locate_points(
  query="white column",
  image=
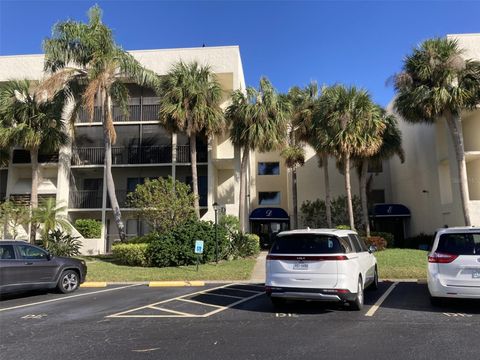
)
(104, 206)
(237, 163)
(174, 156)
(210, 175)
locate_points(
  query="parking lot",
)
(234, 321)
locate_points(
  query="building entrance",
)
(267, 223)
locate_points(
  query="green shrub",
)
(342, 227)
(313, 213)
(389, 238)
(176, 247)
(421, 241)
(131, 254)
(243, 245)
(89, 228)
(59, 243)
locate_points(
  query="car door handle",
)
(29, 263)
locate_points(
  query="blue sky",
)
(359, 42)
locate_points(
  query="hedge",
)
(131, 254)
(89, 228)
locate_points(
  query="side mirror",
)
(49, 256)
(372, 249)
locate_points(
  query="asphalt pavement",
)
(234, 321)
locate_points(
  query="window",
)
(269, 198)
(6, 252)
(358, 243)
(459, 244)
(31, 253)
(268, 168)
(308, 244)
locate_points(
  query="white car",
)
(454, 264)
(322, 265)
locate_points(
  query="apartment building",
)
(144, 149)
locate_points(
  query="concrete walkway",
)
(258, 273)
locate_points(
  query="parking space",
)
(234, 321)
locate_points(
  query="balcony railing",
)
(183, 154)
(159, 154)
(23, 157)
(85, 199)
(145, 112)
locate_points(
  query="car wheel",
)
(374, 284)
(436, 301)
(277, 302)
(68, 282)
(357, 304)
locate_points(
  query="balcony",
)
(183, 154)
(21, 156)
(85, 199)
(121, 198)
(146, 110)
(123, 155)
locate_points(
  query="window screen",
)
(268, 168)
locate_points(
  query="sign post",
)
(198, 250)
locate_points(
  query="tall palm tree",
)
(87, 54)
(348, 127)
(190, 98)
(435, 83)
(257, 120)
(29, 120)
(391, 145)
(302, 105)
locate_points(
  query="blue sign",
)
(198, 246)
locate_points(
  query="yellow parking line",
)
(93, 284)
(379, 302)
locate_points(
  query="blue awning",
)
(390, 210)
(269, 214)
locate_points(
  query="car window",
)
(362, 243)
(31, 253)
(7, 252)
(347, 244)
(308, 244)
(355, 243)
(459, 244)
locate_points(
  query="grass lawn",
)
(104, 270)
(402, 264)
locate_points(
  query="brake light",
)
(440, 258)
(306, 258)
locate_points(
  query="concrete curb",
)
(175, 283)
(93, 284)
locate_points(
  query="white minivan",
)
(454, 264)
(322, 265)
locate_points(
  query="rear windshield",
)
(459, 244)
(308, 244)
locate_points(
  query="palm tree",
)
(302, 103)
(436, 82)
(29, 120)
(391, 145)
(190, 98)
(87, 54)
(346, 125)
(50, 216)
(258, 120)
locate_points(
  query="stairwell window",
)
(268, 168)
(269, 198)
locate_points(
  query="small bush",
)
(131, 254)
(244, 245)
(377, 241)
(89, 228)
(387, 236)
(61, 244)
(342, 227)
(421, 241)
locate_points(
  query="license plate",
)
(300, 266)
(476, 274)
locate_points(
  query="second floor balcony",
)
(124, 155)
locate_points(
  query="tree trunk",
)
(363, 195)
(241, 202)
(328, 205)
(294, 197)
(34, 194)
(455, 124)
(193, 162)
(348, 189)
(107, 140)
